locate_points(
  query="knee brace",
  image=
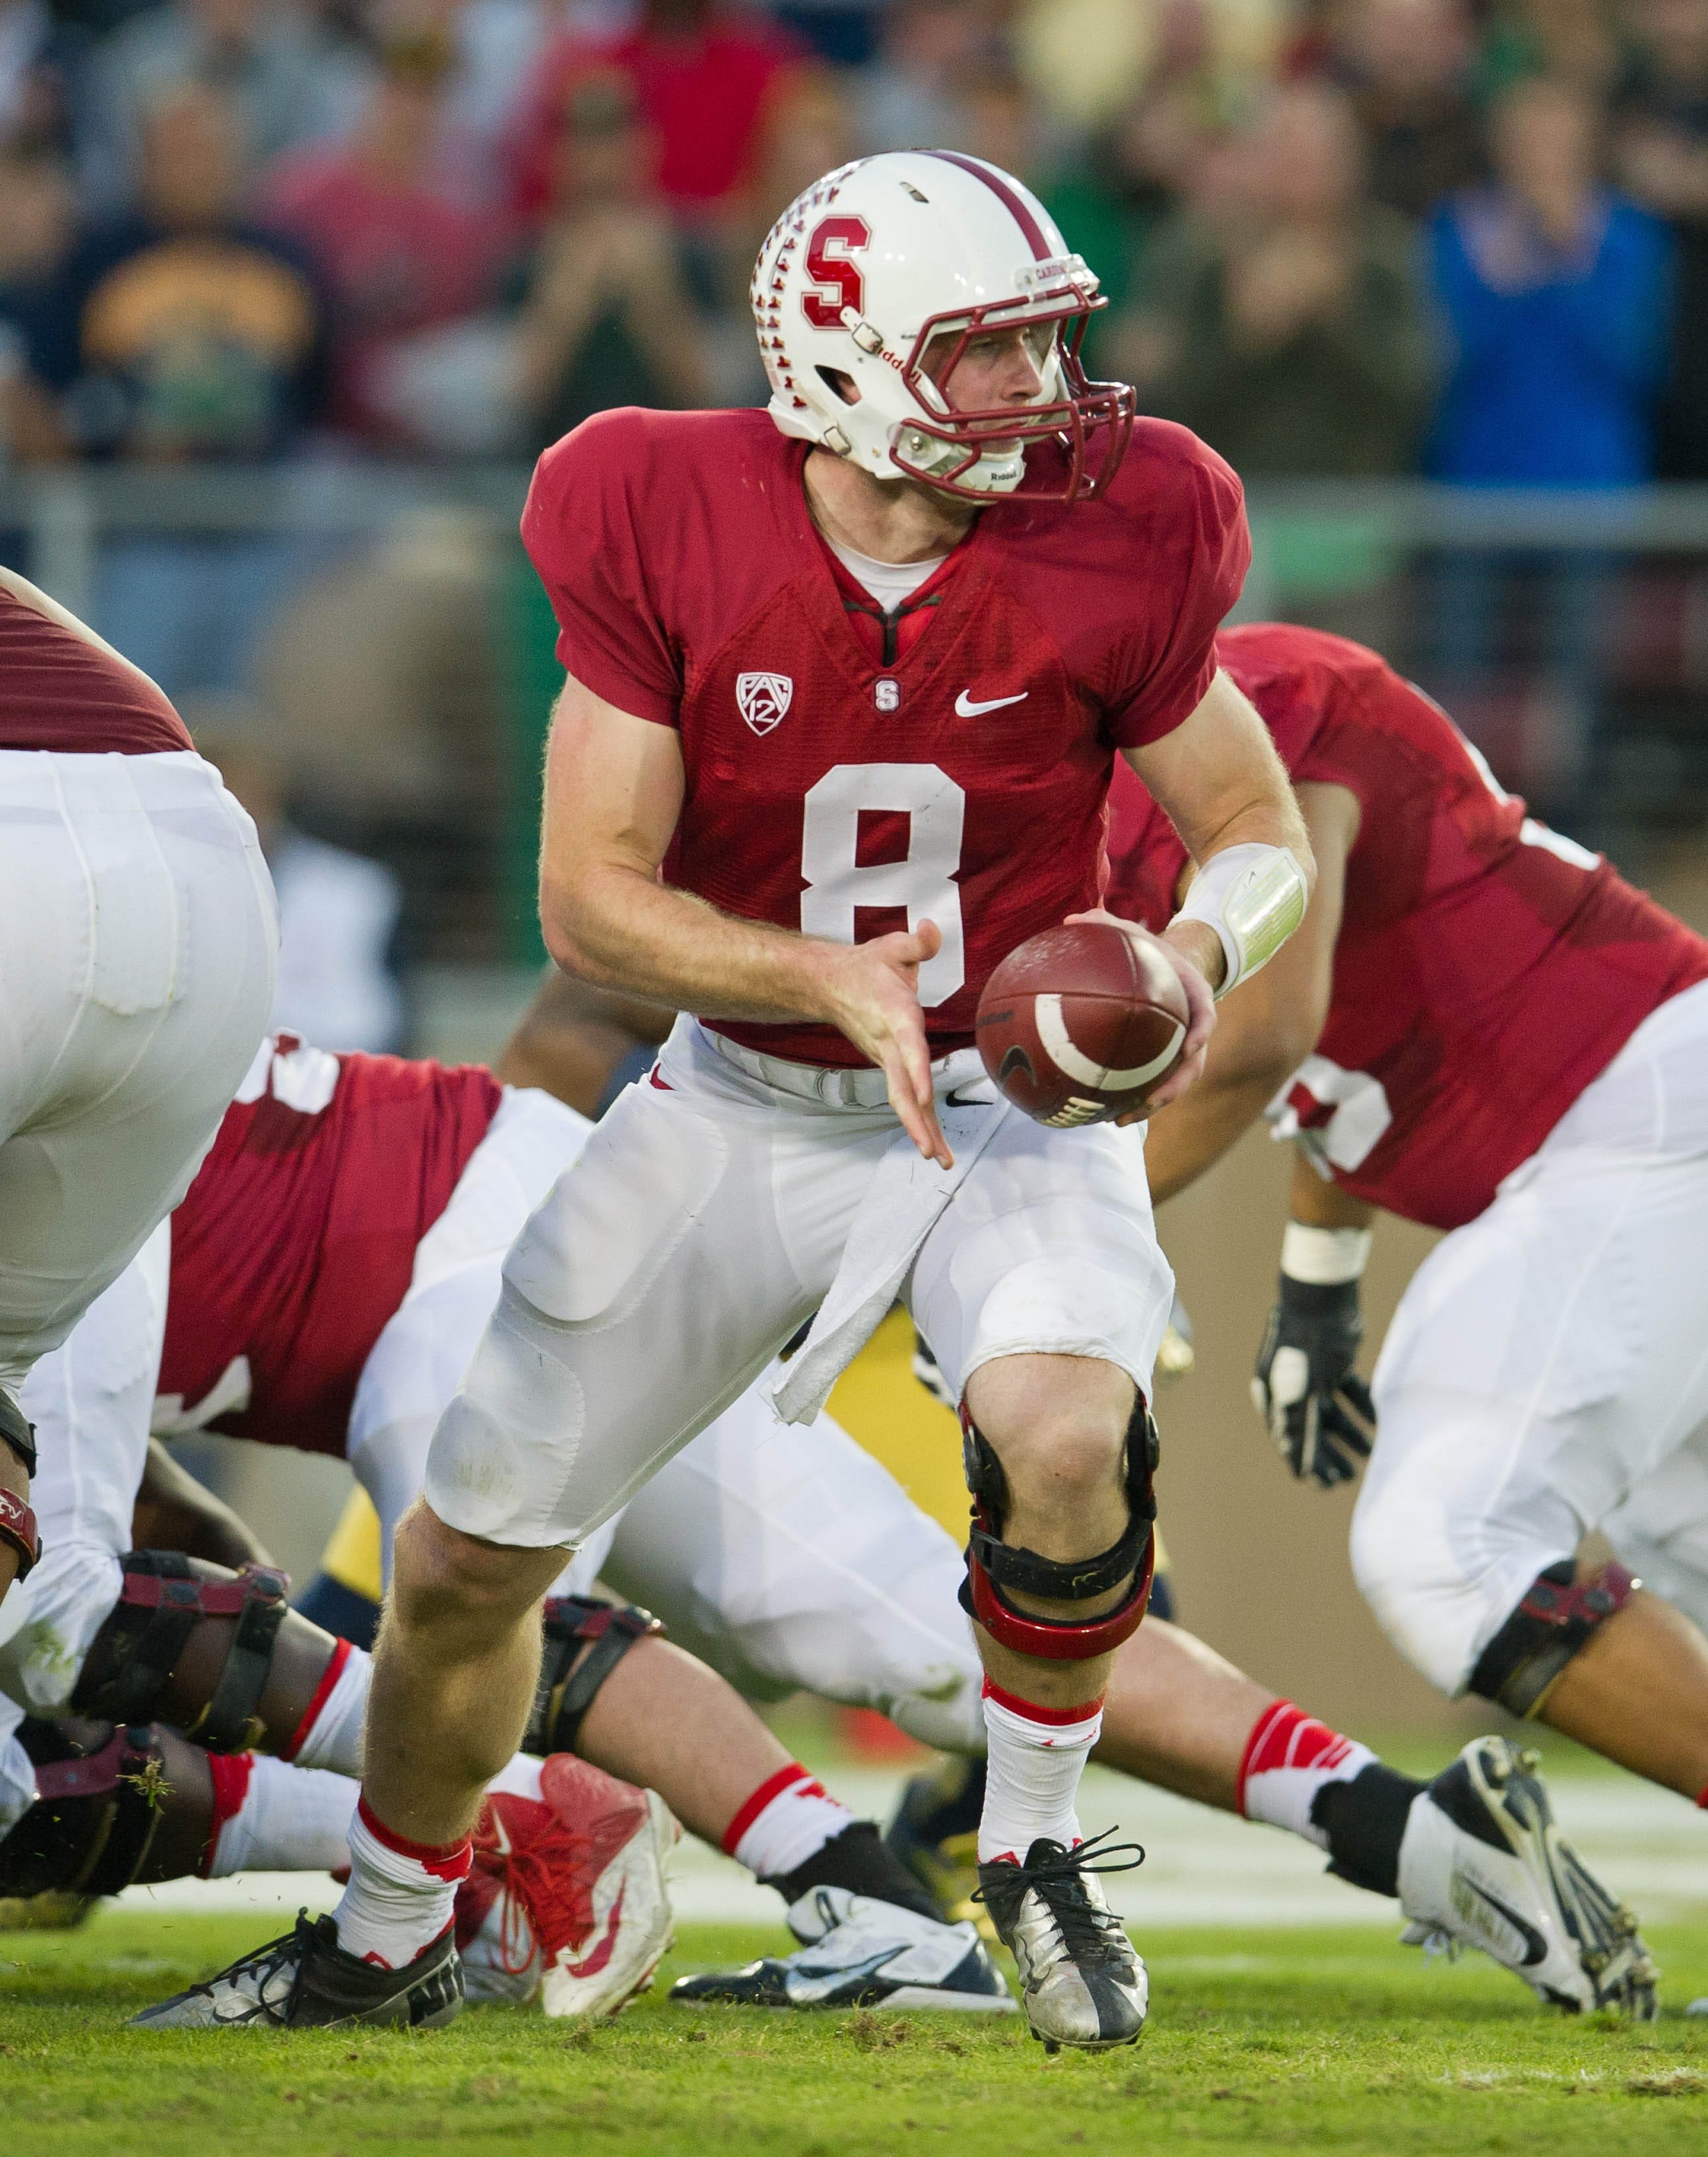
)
(1556, 1618)
(98, 1799)
(165, 1597)
(568, 1687)
(996, 1569)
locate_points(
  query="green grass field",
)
(1268, 2040)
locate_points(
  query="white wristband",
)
(1253, 896)
(1325, 1257)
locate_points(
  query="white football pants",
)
(1547, 1373)
(704, 1222)
(136, 977)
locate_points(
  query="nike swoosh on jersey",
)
(966, 708)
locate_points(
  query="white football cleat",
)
(1484, 1865)
(1081, 1981)
(858, 1951)
(566, 1896)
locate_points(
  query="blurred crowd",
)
(1462, 238)
(1346, 237)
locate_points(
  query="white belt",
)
(835, 1087)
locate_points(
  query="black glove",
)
(1318, 1409)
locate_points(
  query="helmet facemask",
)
(979, 454)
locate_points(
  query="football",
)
(1082, 1023)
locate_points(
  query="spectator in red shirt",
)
(703, 80)
(398, 252)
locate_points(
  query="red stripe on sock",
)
(1283, 1736)
(1056, 1717)
(445, 1861)
(1703, 1801)
(773, 1786)
(322, 1693)
(229, 1773)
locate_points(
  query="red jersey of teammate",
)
(1486, 970)
(297, 1241)
(57, 691)
(963, 781)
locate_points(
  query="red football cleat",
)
(566, 1896)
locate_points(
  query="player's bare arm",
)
(614, 790)
(1270, 1023)
(1316, 1203)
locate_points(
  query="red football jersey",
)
(1487, 969)
(963, 783)
(297, 1241)
(57, 691)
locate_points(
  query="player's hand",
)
(872, 994)
(1200, 1004)
(1318, 1409)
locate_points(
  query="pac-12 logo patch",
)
(763, 699)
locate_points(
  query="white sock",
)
(330, 1734)
(1288, 1756)
(401, 1894)
(789, 1818)
(1036, 1756)
(271, 1817)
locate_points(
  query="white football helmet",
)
(878, 259)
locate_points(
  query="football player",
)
(135, 979)
(856, 669)
(1482, 1028)
(788, 1560)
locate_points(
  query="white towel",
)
(906, 1196)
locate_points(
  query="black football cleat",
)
(1081, 1981)
(306, 1981)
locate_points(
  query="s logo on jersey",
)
(764, 699)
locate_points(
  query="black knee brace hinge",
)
(566, 1688)
(996, 1569)
(95, 1814)
(165, 1597)
(1556, 1616)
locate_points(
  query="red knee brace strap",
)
(1056, 1639)
(18, 1527)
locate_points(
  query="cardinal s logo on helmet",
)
(764, 699)
(916, 252)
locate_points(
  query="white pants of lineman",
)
(704, 1222)
(136, 976)
(1547, 1373)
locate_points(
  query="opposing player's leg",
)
(1043, 1294)
(127, 1040)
